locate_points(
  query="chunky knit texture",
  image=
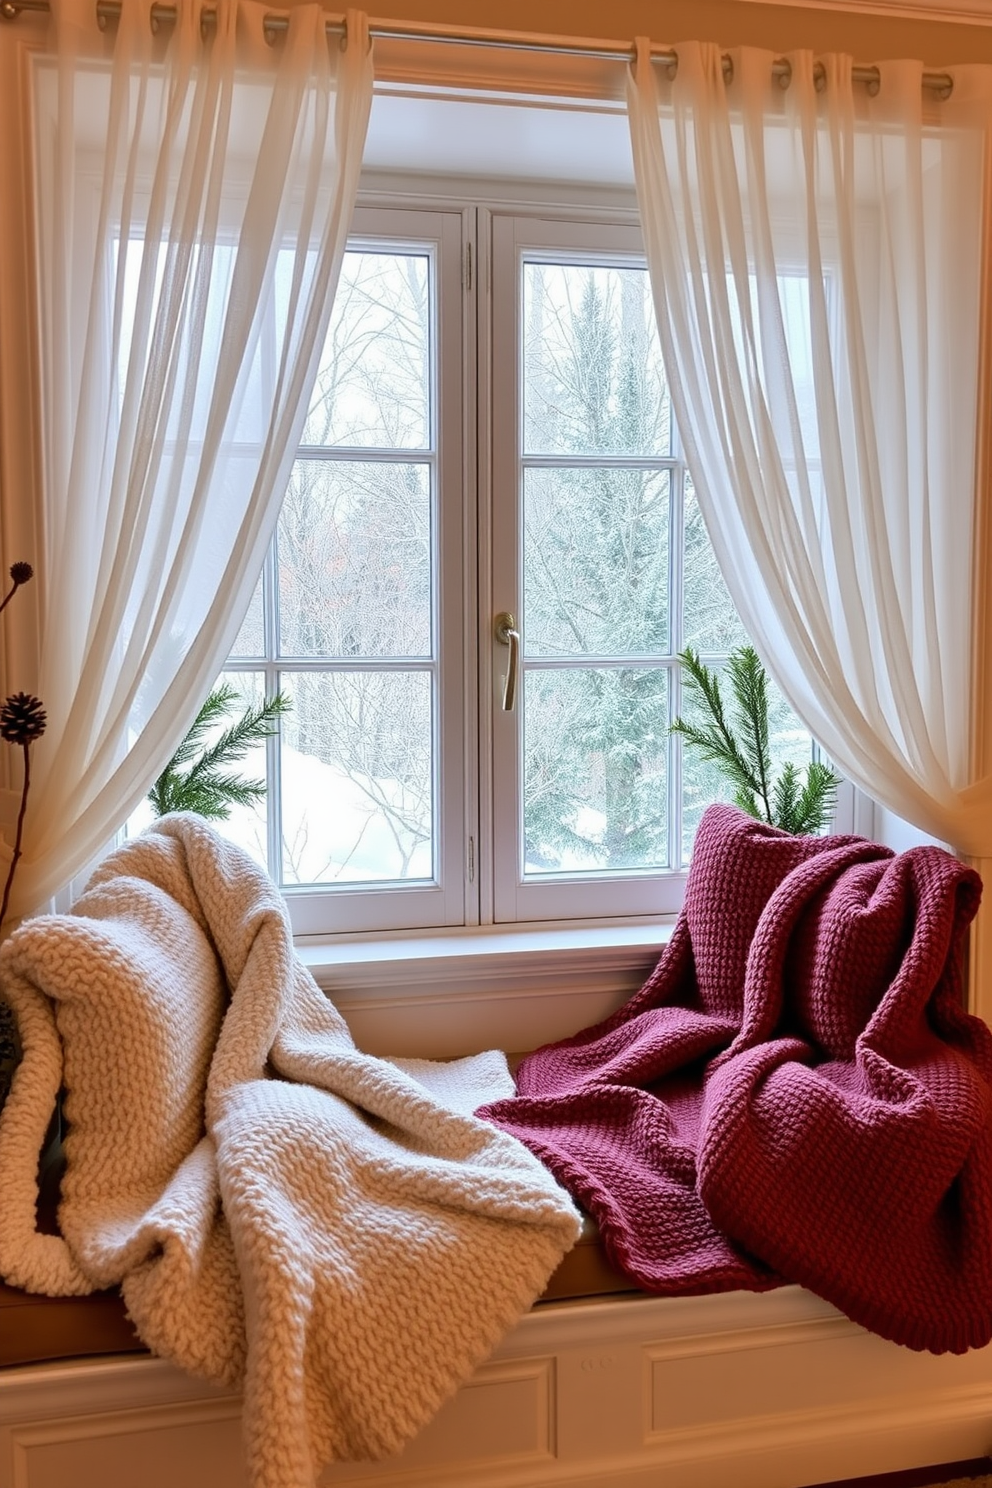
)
(795, 1093)
(336, 1232)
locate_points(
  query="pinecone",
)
(22, 719)
(21, 572)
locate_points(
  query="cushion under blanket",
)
(338, 1232)
(795, 1093)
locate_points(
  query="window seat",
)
(599, 1383)
(743, 1389)
(731, 1390)
(34, 1329)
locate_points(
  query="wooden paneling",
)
(734, 1391)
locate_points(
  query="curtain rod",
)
(106, 10)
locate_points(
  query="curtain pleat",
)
(816, 260)
(194, 193)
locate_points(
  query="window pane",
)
(251, 636)
(709, 621)
(357, 778)
(355, 560)
(596, 761)
(702, 784)
(373, 386)
(596, 561)
(594, 382)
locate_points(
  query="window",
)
(484, 443)
(600, 546)
(360, 612)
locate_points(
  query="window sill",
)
(442, 994)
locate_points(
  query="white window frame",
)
(477, 250)
(362, 907)
(518, 238)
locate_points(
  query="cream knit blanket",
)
(337, 1233)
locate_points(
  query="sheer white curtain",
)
(194, 193)
(816, 261)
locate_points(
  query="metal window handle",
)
(508, 635)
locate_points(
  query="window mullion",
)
(273, 683)
(676, 637)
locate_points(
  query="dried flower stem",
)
(22, 720)
(8, 597)
(20, 573)
(20, 830)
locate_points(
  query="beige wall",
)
(869, 38)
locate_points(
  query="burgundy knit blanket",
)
(795, 1094)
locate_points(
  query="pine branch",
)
(216, 705)
(750, 684)
(235, 742)
(205, 787)
(743, 752)
(714, 747)
(212, 798)
(816, 804)
(786, 797)
(747, 801)
(715, 740)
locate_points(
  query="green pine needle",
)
(714, 740)
(741, 750)
(207, 786)
(786, 797)
(750, 685)
(816, 804)
(217, 705)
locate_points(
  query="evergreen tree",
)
(596, 582)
